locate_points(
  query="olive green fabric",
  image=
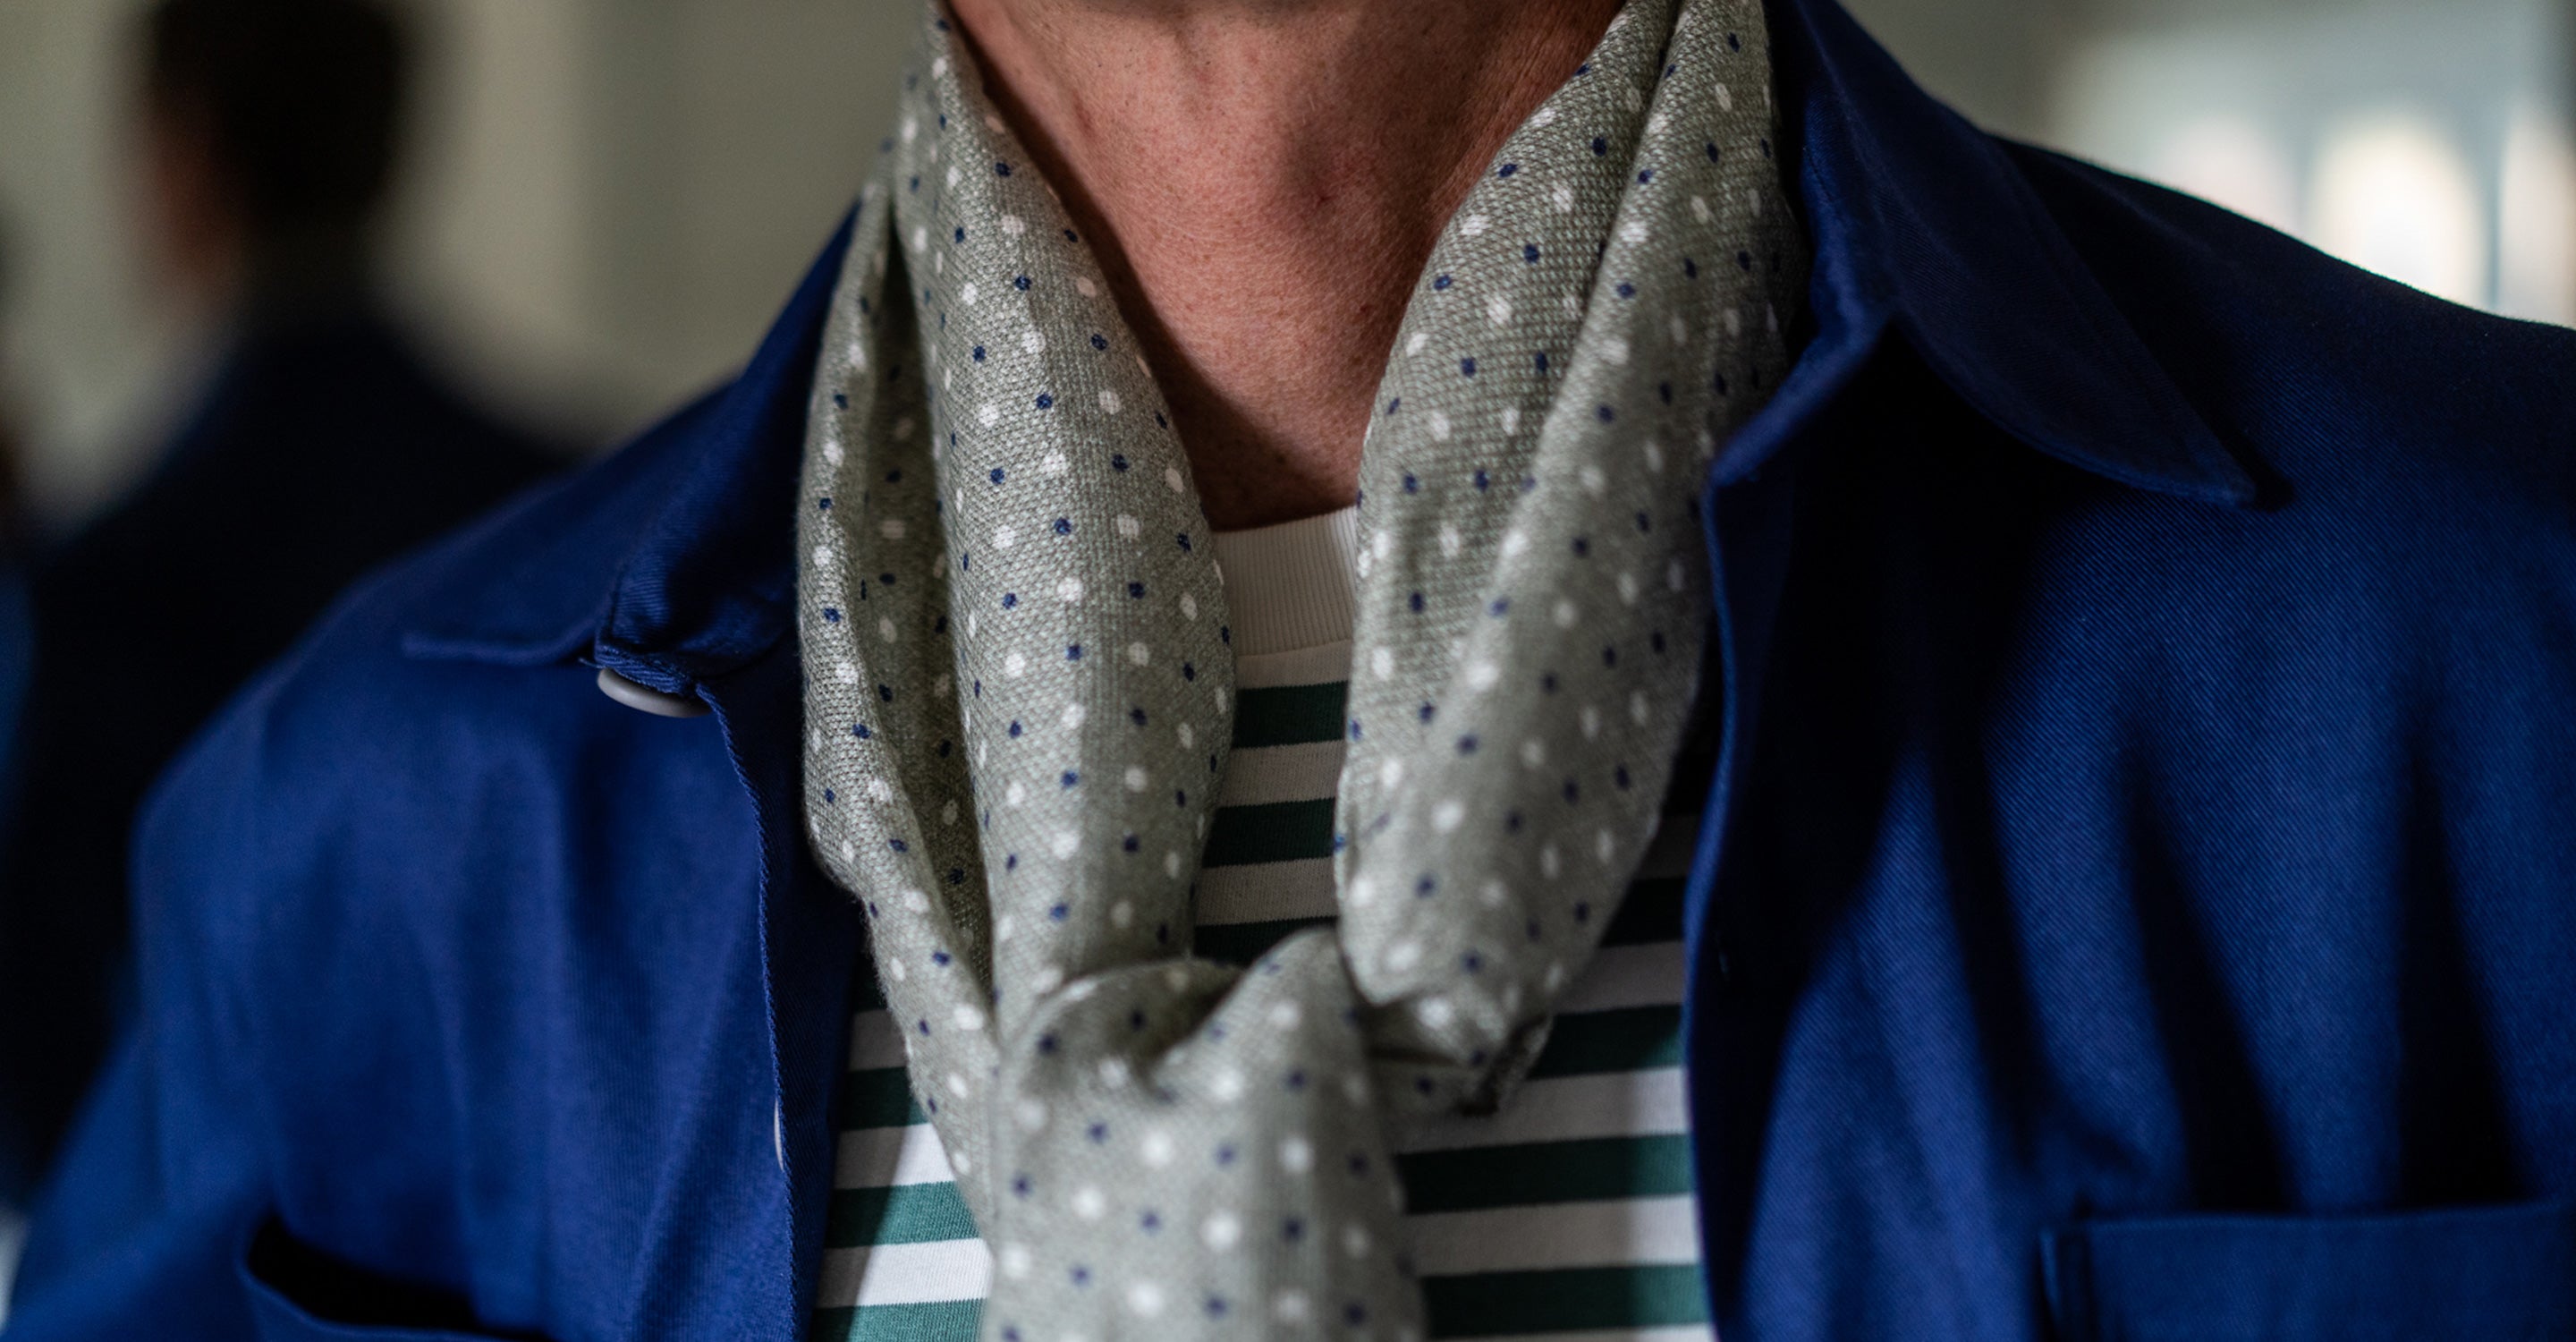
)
(1020, 684)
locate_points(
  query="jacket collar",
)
(673, 562)
(1921, 223)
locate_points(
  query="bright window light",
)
(2393, 194)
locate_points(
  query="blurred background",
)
(607, 198)
(603, 201)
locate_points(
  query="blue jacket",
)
(2135, 901)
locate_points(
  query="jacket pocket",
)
(2496, 1274)
(300, 1294)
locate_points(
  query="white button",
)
(648, 700)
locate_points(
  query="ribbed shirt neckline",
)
(1290, 586)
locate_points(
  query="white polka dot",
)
(916, 901)
(1190, 611)
(1122, 914)
(1014, 1261)
(1172, 865)
(968, 1017)
(1591, 723)
(1533, 752)
(1614, 350)
(1066, 844)
(1145, 1298)
(1499, 309)
(1189, 738)
(1514, 543)
(832, 451)
(1136, 779)
(1128, 526)
(1073, 715)
(1362, 892)
(1638, 711)
(1012, 225)
(1054, 464)
(1355, 1240)
(1414, 343)
(1390, 773)
(891, 528)
(1109, 401)
(1382, 663)
(1114, 1072)
(1439, 426)
(1069, 591)
(1082, 285)
(1511, 419)
(1403, 955)
(1047, 979)
(957, 1086)
(1296, 1155)
(1448, 815)
(1089, 1204)
(1014, 664)
(967, 294)
(1550, 865)
(1435, 1012)
(1222, 1231)
(1566, 613)
(1473, 226)
(1285, 1015)
(1226, 1086)
(988, 414)
(1156, 1149)
(1140, 654)
(880, 791)
(847, 673)
(1483, 676)
(1290, 1307)
(1031, 1114)
(1173, 478)
(885, 629)
(1005, 537)
(1014, 794)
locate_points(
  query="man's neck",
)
(1263, 180)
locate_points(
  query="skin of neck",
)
(1262, 181)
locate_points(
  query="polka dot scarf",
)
(1019, 682)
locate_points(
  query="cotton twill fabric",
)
(1019, 681)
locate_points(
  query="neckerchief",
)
(1019, 683)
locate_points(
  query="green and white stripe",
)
(1567, 1218)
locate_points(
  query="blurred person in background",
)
(17, 659)
(323, 446)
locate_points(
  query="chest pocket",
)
(2489, 1273)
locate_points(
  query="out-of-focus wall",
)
(2429, 140)
(609, 199)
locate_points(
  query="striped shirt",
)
(1567, 1216)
